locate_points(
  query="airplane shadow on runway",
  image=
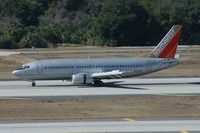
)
(115, 84)
(121, 85)
(118, 84)
(52, 86)
(158, 84)
(195, 83)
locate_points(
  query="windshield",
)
(23, 67)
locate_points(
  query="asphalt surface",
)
(104, 126)
(120, 87)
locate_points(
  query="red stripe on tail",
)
(168, 45)
(170, 50)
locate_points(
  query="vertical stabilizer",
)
(168, 45)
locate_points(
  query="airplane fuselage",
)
(62, 69)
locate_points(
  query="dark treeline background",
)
(46, 23)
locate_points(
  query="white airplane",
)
(92, 71)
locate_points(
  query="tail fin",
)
(168, 45)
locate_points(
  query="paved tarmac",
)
(120, 87)
(103, 126)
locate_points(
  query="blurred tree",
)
(72, 5)
(12, 35)
(24, 23)
(170, 12)
(28, 11)
(121, 23)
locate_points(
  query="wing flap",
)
(110, 75)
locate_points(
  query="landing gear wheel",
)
(98, 82)
(33, 84)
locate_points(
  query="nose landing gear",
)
(33, 84)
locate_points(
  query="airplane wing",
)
(108, 75)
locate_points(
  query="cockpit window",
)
(27, 66)
(23, 67)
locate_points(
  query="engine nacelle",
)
(82, 78)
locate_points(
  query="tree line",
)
(47, 23)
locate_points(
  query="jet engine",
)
(82, 78)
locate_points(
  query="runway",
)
(104, 126)
(119, 87)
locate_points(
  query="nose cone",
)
(15, 73)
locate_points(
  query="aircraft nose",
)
(15, 72)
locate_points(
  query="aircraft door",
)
(39, 67)
(149, 66)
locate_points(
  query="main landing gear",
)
(33, 84)
(98, 82)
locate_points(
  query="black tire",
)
(33, 84)
(98, 82)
